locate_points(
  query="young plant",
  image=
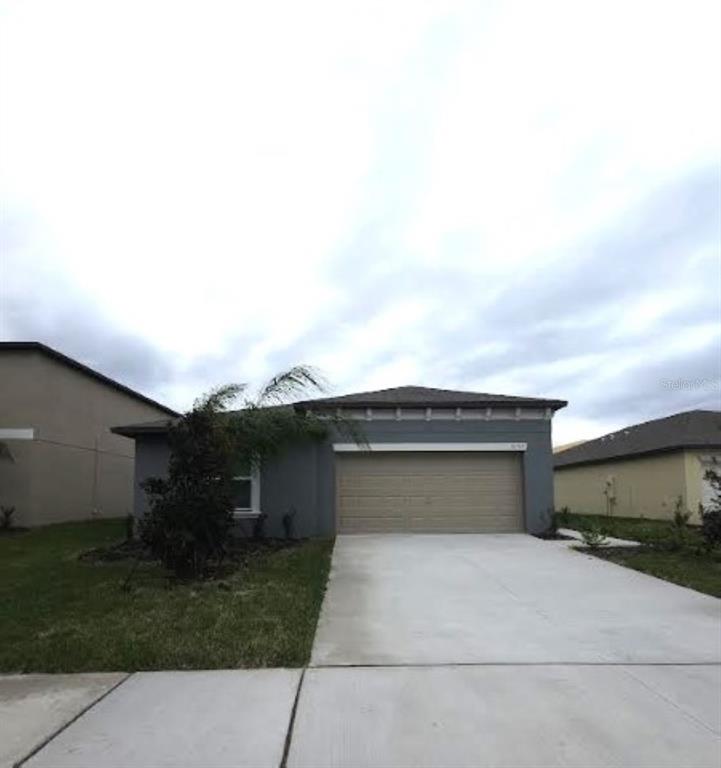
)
(6, 518)
(129, 527)
(552, 523)
(289, 523)
(679, 528)
(563, 517)
(594, 537)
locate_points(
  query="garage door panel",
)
(454, 492)
(462, 525)
(373, 525)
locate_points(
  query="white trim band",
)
(17, 434)
(427, 447)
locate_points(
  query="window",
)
(245, 487)
(241, 489)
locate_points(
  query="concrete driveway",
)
(478, 650)
(502, 599)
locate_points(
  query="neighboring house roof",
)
(36, 346)
(409, 396)
(690, 429)
(566, 446)
(424, 397)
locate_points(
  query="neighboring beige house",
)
(58, 458)
(642, 470)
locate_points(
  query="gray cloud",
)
(77, 328)
(562, 313)
(573, 309)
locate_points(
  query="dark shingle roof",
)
(410, 397)
(691, 429)
(36, 346)
(419, 397)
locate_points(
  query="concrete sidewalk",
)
(221, 718)
(33, 708)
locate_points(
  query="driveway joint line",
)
(291, 721)
(670, 701)
(59, 730)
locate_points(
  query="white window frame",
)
(254, 509)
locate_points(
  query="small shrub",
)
(594, 537)
(679, 527)
(259, 526)
(289, 523)
(711, 514)
(6, 518)
(129, 527)
(563, 517)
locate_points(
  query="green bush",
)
(711, 514)
(191, 510)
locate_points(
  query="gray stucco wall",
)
(151, 460)
(304, 476)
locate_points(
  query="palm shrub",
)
(190, 511)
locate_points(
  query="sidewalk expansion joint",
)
(59, 730)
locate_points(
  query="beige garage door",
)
(427, 492)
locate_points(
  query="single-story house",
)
(433, 460)
(58, 458)
(641, 471)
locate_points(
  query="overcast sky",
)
(520, 198)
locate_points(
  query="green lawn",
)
(691, 566)
(58, 614)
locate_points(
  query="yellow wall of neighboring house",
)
(647, 486)
(697, 462)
